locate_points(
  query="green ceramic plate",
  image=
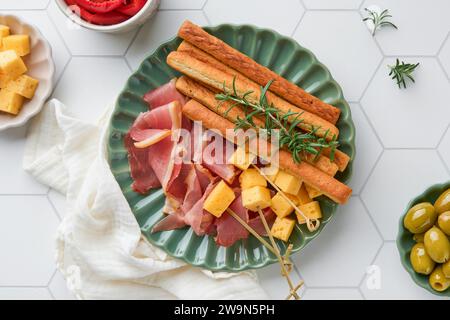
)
(279, 53)
(405, 240)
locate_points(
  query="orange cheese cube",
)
(313, 192)
(4, 31)
(281, 206)
(242, 159)
(256, 197)
(282, 228)
(303, 196)
(23, 85)
(20, 43)
(219, 199)
(250, 178)
(288, 183)
(310, 210)
(11, 65)
(10, 102)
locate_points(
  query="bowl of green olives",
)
(424, 239)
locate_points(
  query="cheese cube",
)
(271, 172)
(282, 228)
(281, 206)
(242, 159)
(288, 183)
(219, 199)
(10, 102)
(313, 192)
(4, 31)
(303, 196)
(311, 210)
(20, 43)
(256, 197)
(11, 65)
(251, 178)
(23, 85)
(4, 80)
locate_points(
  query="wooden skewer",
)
(251, 230)
(293, 290)
(312, 226)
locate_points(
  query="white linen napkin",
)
(100, 250)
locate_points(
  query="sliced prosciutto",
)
(229, 230)
(144, 178)
(163, 95)
(218, 163)
(257, 224)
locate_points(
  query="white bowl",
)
(138, 19)
(40, 66)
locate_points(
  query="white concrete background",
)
(403, 136)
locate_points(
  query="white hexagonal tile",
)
(387, 279)
(332, 4)
(368, 149)
(340, 255)
(444, 56)
(27, 235)
(82, 41)
(59, 202)
(161, 28)
(421, 27)
(399, 176)
(24, 4)
(59, 51)
(90, 84)
(185, 4)
(332, 294)
(274, 284)
(281, 16)
(14, 180)
(444, 148)
(58, 288)
(415, 117)
(25, 294)
(347, 49)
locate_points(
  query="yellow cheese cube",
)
(311, 210)
(313, 192)
(271, 172)
(242, 159)
(20, 43)
(11, 65)
(281, 206)
(282, 228)
(250, 178)
(10, 102)
(303, 196)
(288, 183)
(219, 199)
(4, 30)
(23, 85)
(256, 197)
(4, 80)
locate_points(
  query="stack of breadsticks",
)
(211, 66)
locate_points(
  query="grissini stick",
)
(220, 80)
(258, 73)
(332, 188)
(206, 97)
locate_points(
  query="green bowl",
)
(405, 240)
(281, 54)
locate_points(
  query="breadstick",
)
(220, 80)
(332, 188)
(256, 72)
(206, 97)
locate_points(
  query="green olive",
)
(420, 260)
(420, 218)
(442, 204)
(438, 281)
(418, 237)
(444, 222)
(437, 245)
(446, 269)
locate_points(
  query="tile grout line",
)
(55, 211)
(133, 39)
(204, 5)
(366, 209)
(298, 23)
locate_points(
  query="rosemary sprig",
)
(402, 71)
(379, 20)
(294, 140)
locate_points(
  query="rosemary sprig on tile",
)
(402, 71)
(294, 140)
(379, 19)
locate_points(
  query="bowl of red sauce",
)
(109, 15)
